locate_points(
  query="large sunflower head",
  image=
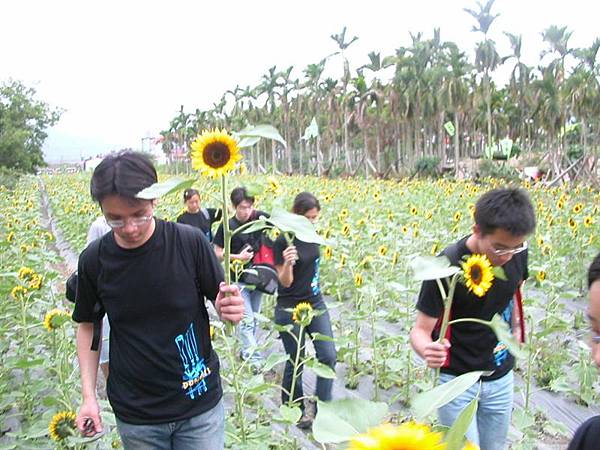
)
(62, 425)
(214, 153)
(407, 436)
(478, 274)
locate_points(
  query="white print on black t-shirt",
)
(314, 284)
(194, 369)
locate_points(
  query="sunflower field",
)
(374, 229)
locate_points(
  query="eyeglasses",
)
(136, 221)
(509, 251)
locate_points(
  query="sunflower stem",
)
(227, 242)
(446, 317)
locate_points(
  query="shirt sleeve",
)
(219, 240)
(87, 292)
(209, 270)
(278, 247)
(96, 231)
(430, 300)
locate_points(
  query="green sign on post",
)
(449, 127)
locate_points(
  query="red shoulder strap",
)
(519, 298)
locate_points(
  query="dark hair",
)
(507, 209)
(239, 194)
(125, 174)
(189, 193)
(304, 202)
(594, 271)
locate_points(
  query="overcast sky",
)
(121, 69)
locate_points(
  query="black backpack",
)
(71, 289)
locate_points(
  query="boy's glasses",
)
(510, 251)
(136, 221)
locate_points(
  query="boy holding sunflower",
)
(504, 218)
(150, 279)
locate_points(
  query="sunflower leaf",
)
(163, 188)
(432, 268)
(257, 225)
(499, 273)
(248, 141)
(455, 437)
(299, 225)
(259, 131)
(505, 336)
(290, 414)
(339, 420)
(427, 402)
(321, 369)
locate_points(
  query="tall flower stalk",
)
(215, 154)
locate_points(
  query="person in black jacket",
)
(587, 436)
(196, 216)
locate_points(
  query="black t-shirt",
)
(240, 240)
(587, 436)
(203, 219)
(305, 286)
(475, 346)
(162, 365)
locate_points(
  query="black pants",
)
(325, 351)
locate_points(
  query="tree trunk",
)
(319, 157)
(456, 142)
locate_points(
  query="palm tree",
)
(486, 56)
(343, 45)
(519, 83)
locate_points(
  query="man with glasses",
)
(587, 436)
(150, 277)
(504, 218)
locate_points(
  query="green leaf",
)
(455, 437)
(522, 419)
(339, 420)
(257, 225)
(274, 359)
(290, 414)
(321, 369)
(426, 403)
(163, 188)
(395, 364)
(283, 328)
(25, 363)
(299, 225)
(322, 337)
(432, 268)
(259, 131)
(499, 273)
(503, 333)
(248, 141)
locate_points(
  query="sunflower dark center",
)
(476, 274)
(216, 155)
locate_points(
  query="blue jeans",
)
(325, 352)
(204, 431)
(490, 426)
(249, 324)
